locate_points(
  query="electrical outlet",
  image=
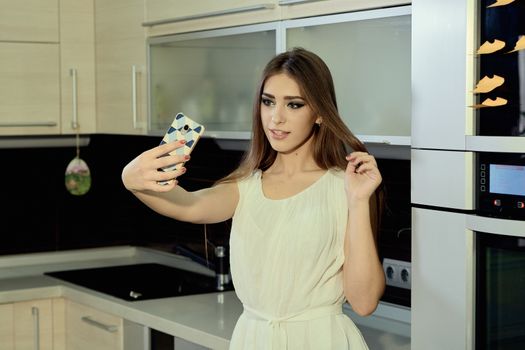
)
(397, 273)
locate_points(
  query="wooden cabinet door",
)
(33, 323)
(121, 67)
(77, 66)
(29, 20)
(29, 89)
(88, 329)
(7, 328)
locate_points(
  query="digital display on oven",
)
(507, 179)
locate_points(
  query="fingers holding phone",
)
(185, 131)
(158, 168)
(143, 172)
(171, 162)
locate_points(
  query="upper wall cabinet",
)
(169, 17)
(46, 67)
(368, 53)
(77, 66)
(29, 20)
(193, 73)
(29, 88)
(121, 67)
(308, 8)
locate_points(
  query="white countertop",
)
(204, 319)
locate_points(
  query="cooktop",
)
(139, 281)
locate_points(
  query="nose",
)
(277, 116)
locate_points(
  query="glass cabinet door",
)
(211, 76)
(368, 54)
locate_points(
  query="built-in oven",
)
(500, 292)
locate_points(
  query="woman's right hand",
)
(143, 173)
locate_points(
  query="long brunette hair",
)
(332, 140)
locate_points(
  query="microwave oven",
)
(500, 185)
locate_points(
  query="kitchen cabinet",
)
(121, 75)
(39, 94)
(33, 321)
(193, 73)
(29, 88)
(308, 8)
(441, 116)
(371, 70)
(35, 324)
(88, 329)
(442, 313)
(77, 66)
(29, 21)
(7, 328)
(164, 17)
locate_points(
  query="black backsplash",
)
(38, 214)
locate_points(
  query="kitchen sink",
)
(140, 281)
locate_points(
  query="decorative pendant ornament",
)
(78, 176)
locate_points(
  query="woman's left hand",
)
(362, 176)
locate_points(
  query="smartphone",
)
(182, 128)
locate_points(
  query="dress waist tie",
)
(278, 335)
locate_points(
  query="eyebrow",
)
(285, 97)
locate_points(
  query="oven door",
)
(500, 292)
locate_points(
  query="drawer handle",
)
(18, 125)
(210, 14)
(106, 327)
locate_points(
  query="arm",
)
(364, 279)
(209, 205)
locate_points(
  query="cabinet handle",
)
(36, 327)
(210, 14)
(294, 2)
(134, 72)
(18, 125)
(107, 327)
(73, 74)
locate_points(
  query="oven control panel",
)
(501, 185)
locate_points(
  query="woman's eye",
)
(295, 105)
(266, 101)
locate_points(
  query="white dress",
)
(286, 259)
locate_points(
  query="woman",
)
(304, 213)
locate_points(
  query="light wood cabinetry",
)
(89, 329)
(36, 324)
(7, 329)
(33, 323)
(29, 20)
(308, 8)
(29, 88)
(77, 66)
(121, 67)
(42, 43)
(163, 17)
